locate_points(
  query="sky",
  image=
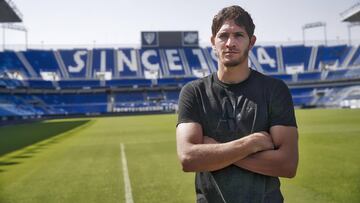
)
(75, 22)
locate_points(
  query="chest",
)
(228, 115)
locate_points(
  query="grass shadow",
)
(8, 163)
(19, 136)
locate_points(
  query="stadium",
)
(98, 124)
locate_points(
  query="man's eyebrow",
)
(222, 32)
(229, 33)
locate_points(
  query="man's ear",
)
(252, 41)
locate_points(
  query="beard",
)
(235, 62)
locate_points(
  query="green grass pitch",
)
(79, 160)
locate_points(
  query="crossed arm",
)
(274, 154)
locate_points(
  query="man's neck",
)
(233, 75)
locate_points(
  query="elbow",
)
(290, 165)
(187, 169)
(186, 163)
(290, 171)
(187, 158)
(290, 174)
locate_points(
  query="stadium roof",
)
(9, 12)
(352, 14)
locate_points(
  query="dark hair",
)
(239, 15)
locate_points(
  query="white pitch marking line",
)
(128, 194)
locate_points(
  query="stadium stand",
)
(11, 66)
(79, 81)
(297, 57)
(330, 56)
(355, 60)
(267, 59)
(40, 83)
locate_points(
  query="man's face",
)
(232, 44)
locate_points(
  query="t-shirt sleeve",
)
(188, 110)
(281, 106)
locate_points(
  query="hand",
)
(209, 140)
(262, 141)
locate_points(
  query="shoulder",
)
(197, 84)
(268, 81)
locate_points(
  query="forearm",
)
(201, 153)
(211, 157)
(271, 163)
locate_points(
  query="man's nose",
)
(230, 42)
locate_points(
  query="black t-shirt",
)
(230, 111)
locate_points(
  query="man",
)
(236, 127)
